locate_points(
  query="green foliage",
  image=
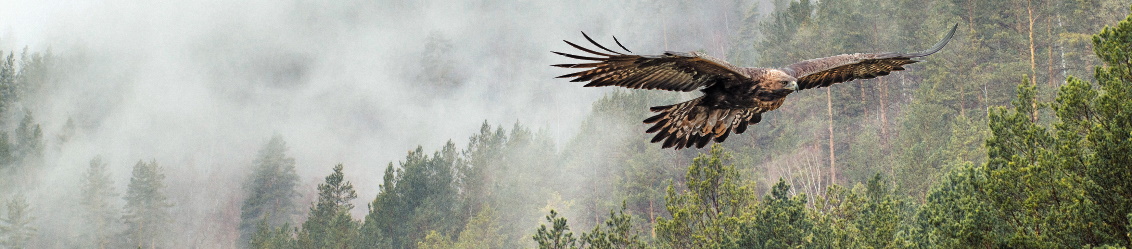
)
(28, 140)
(99, 213)
(271, 189)
(558, 236)
(415, 199)
(268, 237)
(329, 224)
(617, 233)
(779, 222)
(956, 214)
(16, 231)
(434, 241)
(870, 215)
(481, 232)
(146, 215)
(5, 152)
(1112, 130)
(710, 213)
(8, 87)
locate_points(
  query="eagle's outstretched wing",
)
(690, 124)
(673, 71)
(826, 71)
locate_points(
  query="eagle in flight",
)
(733, 97)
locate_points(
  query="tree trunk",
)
(1033, 61)
(883, 110)
(832, 158)
(1049, 38)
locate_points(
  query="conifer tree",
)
(7, 82)
(267, 237)
(100, 214)
(415, 199)
(329, 224)
(617, 232)
(710, 213)
(271, 189)
(28, 139)
(481, 232)
(1113, 130)
(16, 231)
(957, 214)
(147, 208)
(5, 151)
(558, 236)
(779, 222)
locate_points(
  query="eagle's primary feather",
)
(734, 97)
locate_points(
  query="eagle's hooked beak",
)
(793, 86)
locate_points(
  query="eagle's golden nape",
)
(734, 97)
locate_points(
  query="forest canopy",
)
(1016, 135)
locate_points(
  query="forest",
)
(1018, 134)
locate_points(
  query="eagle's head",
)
(775, 84)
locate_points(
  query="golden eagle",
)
(734, 97)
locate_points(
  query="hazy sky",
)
(200, 86)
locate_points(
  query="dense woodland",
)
(1017, 135)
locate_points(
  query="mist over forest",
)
(439, 124)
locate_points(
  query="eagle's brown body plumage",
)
(734, 97)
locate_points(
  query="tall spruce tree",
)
(329, 224)
(99, 212)
(16, 231)
(147, 208)
(270, 189)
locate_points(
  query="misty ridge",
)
(199, 88)
(439, 124)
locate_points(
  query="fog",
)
(200, 86)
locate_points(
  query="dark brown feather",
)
(826, 71)
(690, 124)
(673, 71)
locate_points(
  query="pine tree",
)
(558, 236)
(271, 189)
(617, 233)
(7, 82)
(99, 213)
(5, 152)
(28, 140)
(147, 208)
(385, 210)
(711, 212)
(1113, 130)
(268, 237)
(329, 224)
(481, 232)
(779, 222)
(419, 197)
(957, 214)
(16, 231)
